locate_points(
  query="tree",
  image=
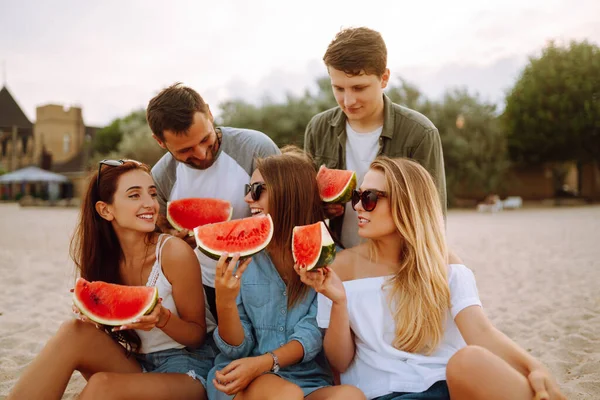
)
(135, 141)
(108, 138)
(475, 151)
(552, 113)
(284, 122)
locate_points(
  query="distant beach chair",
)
(512, 202)
(491, 203)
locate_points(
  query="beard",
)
(196, 163)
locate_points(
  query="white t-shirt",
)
(193, 182)
(361, 150)
(378, 368)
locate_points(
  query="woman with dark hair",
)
(268, 335)
(116, 242)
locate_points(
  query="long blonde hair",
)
(418, 293)
(293, 196)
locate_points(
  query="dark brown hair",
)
(356, 51)
(95, 248)
(173, 109)
(293, 196)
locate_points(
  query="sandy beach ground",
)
(538, 273)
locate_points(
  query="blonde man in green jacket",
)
(367, 123)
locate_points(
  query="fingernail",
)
(136, 321)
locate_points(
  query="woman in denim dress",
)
(268, 335)
(116, 242)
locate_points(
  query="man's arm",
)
(309, 145)
(430, 155)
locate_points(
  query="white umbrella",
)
(32, 174)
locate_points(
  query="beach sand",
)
(537, 269)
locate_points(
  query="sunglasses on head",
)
(368, 198)
(254, 189)
(112, 163)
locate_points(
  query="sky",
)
(110, 57)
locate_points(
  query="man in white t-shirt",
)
(202, 161)
(366, 123)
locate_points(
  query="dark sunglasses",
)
(368, 198)
(255, 189)
(111, 163)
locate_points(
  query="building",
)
(58, 141)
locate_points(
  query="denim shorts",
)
(194, 362)
(437, 391)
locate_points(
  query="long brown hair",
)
(418, 294)
(95, 248)
(293, 196)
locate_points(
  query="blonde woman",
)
(402, 322)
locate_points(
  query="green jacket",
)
(406, 133)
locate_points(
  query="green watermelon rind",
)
(190, 232)
(215, 254)
(328, 251)
(345, 195)
(114, 322)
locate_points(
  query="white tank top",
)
(156, 339)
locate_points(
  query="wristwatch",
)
(275, 367)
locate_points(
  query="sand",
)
(538, 273)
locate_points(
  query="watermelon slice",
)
(246, 236)
(336, 185)
(192, 212)
(312, 246)
(112, 304)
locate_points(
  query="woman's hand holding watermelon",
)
(148, 322)
(228, 283)
(324, 281)
(82, 317)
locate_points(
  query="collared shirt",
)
(406, 133)
(268, 324)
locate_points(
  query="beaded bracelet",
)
(166, 322)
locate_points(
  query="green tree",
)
(135, 141)
(475, 151)
(552, 113)
(285, 122)
(108, 138)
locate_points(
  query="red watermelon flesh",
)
(192, 212)
(112, 304)
(246, 236)
(336, 185)
(312, 246)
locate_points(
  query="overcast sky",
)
(111, 57)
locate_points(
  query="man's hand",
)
(165, 227)
(333, 210)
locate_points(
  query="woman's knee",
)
(466, 363)
(289, 391)
(74, 329)
(347, 392)
(101, 385)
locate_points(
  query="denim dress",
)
(269, 324)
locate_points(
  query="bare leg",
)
(76, 346)
(270, 387)
(342, 392)
(476, 373)
(159, 386)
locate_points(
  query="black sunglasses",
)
(111, 163)
(368, 198)
(254, 189)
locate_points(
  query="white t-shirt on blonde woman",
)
(378, 368)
